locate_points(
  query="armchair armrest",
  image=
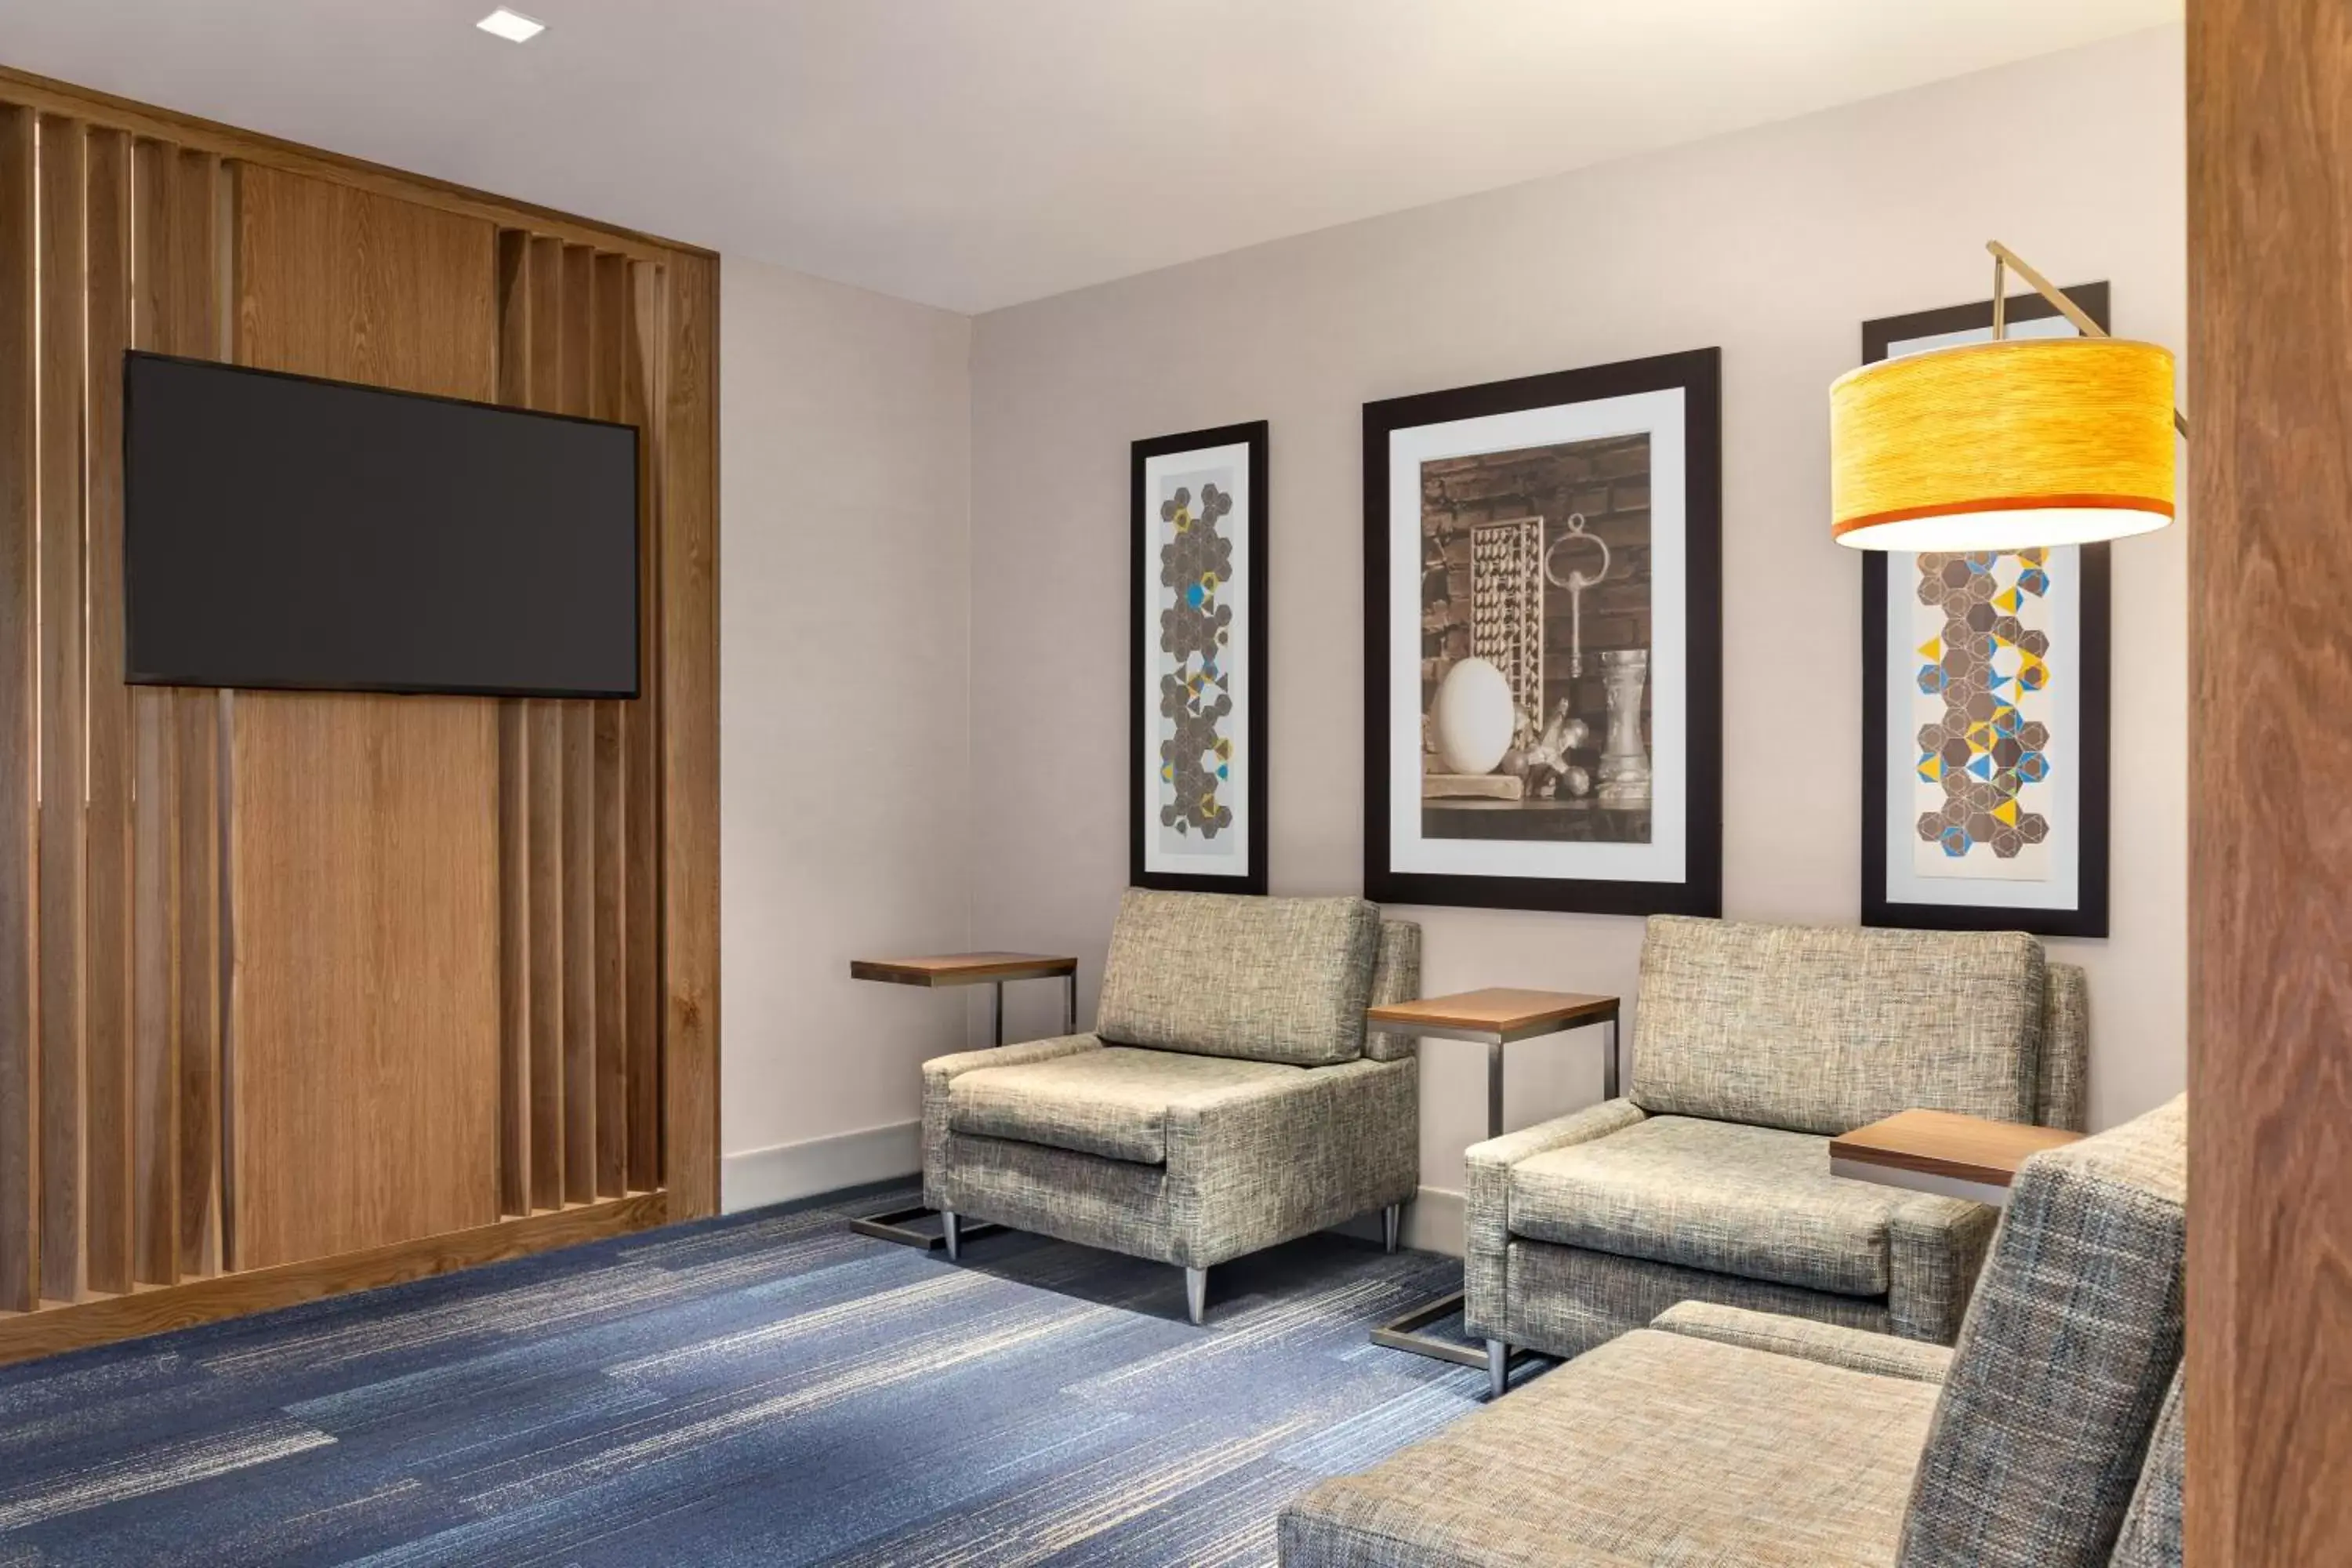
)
(940, 1072)
(1487, 1197)
(1251, 1164)
(1936, 1245)
(1828, 1343)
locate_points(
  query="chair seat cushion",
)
(1112, 1103)
(1652, 1449)
(1754, 1202)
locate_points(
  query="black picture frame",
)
(1697, 373)
(2089, 917)
(1143, 638)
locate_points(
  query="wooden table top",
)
(962, 968)
(1941, 1143)
(1502, 1009)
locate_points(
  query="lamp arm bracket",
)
(2005, 261)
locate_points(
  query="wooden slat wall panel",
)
(640, 735)
(20, 1249)
(64, 1124)
(543, 292)
(689, 737)
(514, 797)
(577, 360)
(591, 972)
(154, 829)
(611, 334)
(365, 1009)
(195, 762)
(107, 324)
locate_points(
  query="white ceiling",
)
(975, 153)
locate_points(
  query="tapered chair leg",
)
(1196, 1294)
(1498, 1368)
(1392, 1220)
(949, 1228)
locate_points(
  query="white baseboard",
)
(812, 1165)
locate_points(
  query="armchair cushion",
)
(1831, 1344)
(1825, 1029)
(1113, 1103)
(1753, 1202)
(1654, 1448)
(1275, 980)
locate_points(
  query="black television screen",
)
(285, 532)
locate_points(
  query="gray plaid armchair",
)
(2051, 1437)
(1228, 1098)
(1753, 1046)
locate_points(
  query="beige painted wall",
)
(1775, 244)
(844, 823)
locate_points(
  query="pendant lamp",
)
(2006, 445)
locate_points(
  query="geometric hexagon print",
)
(1984, 712)
(1199, 630)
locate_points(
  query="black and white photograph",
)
(1542, 613)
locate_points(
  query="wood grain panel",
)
(2269, 832)
(542, 388)
(197, 329)
(365, 1004)
(544, 809)
(107, 1319)
(154, 828)
(689, 724)
(640, 736)
(608, 392)
(20, 1250)
(515, 1185)
(106, 324)
(64, 1124)
(579, 829)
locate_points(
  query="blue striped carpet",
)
(766, 1388)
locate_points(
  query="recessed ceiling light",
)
(512, 26)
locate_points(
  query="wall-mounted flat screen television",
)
(284, 531)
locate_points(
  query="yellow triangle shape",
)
(2006, 813)
(2009, 601)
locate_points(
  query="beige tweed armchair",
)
(1229, 1097)
(2051, 1437)
(1753, 1046)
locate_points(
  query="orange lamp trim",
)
(1839, 528)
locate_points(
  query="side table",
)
(1498, 1015)
(1940, 1151)
(993, 969)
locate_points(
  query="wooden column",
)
(2270, 839)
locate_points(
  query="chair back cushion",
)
(2063, 1360)
(2151, 1536)
(1396, 977)
(1275, 980)
(1824, 1029)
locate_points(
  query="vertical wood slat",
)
(641, 820)
(107, 914)
(20, 1249)
(195, 331)
(2269, 1399)
(64, 1263)
(689, 737)
(515, 1186)
(543, 290)
(609, 335)
(154, 831)
(580, 1089)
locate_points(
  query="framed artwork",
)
(1985, 703)
(1197, 692)
(1543, 699)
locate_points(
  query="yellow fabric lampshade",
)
(2003, 446)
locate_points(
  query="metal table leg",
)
(1609, 1089)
